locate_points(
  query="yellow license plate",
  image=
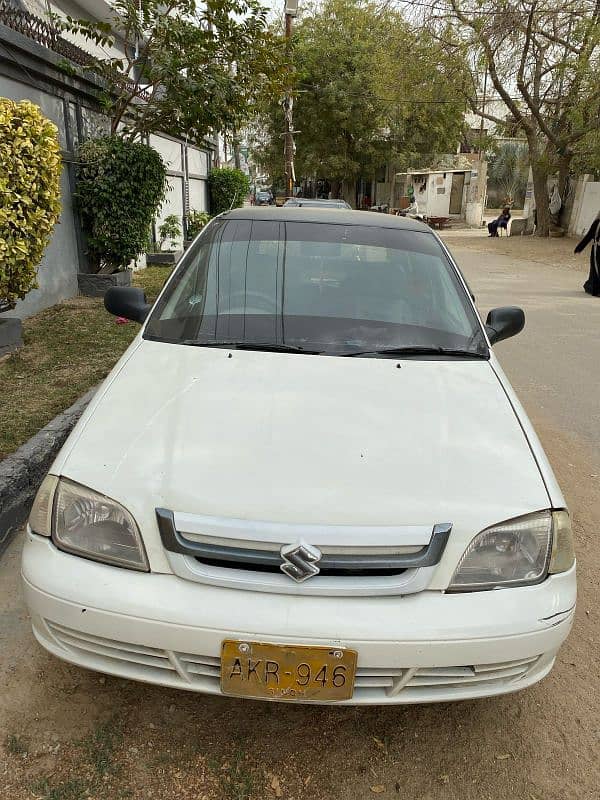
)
(287, 672)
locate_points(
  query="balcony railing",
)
(43, 32)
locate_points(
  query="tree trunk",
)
(235, 144)
(539, 171)
(564, 170)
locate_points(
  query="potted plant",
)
(30, 181)
(120, 187)
(194, 222)
(168, 231)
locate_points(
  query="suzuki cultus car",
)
(307, 479)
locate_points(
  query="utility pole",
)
(291, 10)
(483, 112)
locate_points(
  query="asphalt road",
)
(69, 734)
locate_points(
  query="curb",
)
(23, 471)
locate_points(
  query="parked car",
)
(307, 202)
(307, 479)
(264, 199)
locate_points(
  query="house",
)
(453, 188)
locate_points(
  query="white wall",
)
(475, 194)
(198, 195)
(438, 194)
(590, 206)
(169, 150)
(173, 204)
(197, 162)
(197, 166)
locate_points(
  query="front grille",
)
(261, 557)
(202, 672)
(380, 567)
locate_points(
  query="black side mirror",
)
(127, 301)
(502, 323)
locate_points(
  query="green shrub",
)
(195, 221)
(228, 189)
(170, 229)
(120, 187)
(29, 195)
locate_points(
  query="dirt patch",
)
(550, 252)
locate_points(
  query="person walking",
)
(592, 285)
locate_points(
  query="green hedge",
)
(120, 187)
(30, 167)
(228, 189)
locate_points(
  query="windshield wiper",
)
(267, 347)
(416, 351)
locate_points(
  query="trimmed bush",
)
(228, 189)
(120, 187)
(29, 195)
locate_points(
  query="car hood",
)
(306, 439)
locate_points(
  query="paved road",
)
(68, 734)
(554, 364)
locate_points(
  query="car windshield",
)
(330, 288)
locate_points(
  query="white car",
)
(306, 480)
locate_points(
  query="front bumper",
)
(419, 648)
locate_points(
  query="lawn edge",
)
(22, 472)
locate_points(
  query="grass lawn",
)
(68, 349)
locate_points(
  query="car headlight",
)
(86, 523)
(518, 552)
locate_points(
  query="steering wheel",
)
(263, 302)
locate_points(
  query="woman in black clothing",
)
(592, 285)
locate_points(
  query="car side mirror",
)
(127, 301)
(502, 323)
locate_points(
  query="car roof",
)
(327, 215)
(316, 201)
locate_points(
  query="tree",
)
(587, 155)
(188, 68)
(367, 88)
(228, 189)
(543, 60)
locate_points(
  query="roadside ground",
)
(68, 349)
(552, 252)
(70, 734)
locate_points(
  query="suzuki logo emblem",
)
(299, 561)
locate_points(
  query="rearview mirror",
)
(128, 302)
(502, 323)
